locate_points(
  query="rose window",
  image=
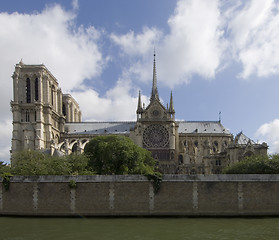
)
(155, 136)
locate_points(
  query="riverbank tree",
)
(30, 162)
(114, 154)
(257, 164)
(103, 155)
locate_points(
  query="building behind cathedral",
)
(45, 119)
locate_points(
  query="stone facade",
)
(40, 109)
(46, 119)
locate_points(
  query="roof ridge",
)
(101, 122)
(198, 121)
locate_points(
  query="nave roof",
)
(122, 127)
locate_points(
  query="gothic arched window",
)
(28, 91)
(75, 148)
(180, 159)
(52, 95)
(27, 116)
(64, 109)
(36, 89)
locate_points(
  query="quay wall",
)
(133, 195)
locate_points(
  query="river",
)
(138, 228)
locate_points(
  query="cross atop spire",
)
(154, 93)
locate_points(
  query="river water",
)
(138, 228)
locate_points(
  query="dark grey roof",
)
(243, 139)
(202, 127)
(98, 128)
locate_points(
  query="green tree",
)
(257, 164)
(57, 166)
(29, 162)
(79, 164)
(114, 154)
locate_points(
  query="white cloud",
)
(118, 104)
(254, 32)
(50, 37)
(194, 44)
(5, 139)
(269, 133)
(75, 4)
(204, 37)
(139, 44)
(139, 47)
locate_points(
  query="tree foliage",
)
(29, 162)
(4, 168)
(78, 164)
(257, 164)
(114, 154)
(103, 155)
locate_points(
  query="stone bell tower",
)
(36, 108)
(39, 108)
(156, 129)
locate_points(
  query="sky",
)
(215, 56)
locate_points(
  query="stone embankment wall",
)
(133, 195)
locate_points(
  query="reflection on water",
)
(138, 228)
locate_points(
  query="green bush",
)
(6, 180)
(156, 179)
(29, 163)
(257, 164)
(4, 168)
(73, 184)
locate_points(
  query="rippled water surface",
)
(138, 228)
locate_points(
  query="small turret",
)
(171, 108)
(139, 109)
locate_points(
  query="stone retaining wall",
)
(133, 195)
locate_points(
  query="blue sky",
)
(214, 55)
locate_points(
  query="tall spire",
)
(154, 93)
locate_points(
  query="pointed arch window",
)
(27, 116)
(64, 109)
(52, 95)
(36, 89)
(180, 159)
(75, 148)
(28, 90)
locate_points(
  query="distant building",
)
(46, 119)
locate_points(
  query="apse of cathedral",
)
(47, 120)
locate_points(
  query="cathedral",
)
(47, 120)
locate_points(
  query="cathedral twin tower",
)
(40, 109)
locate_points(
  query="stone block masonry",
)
(133, 195)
